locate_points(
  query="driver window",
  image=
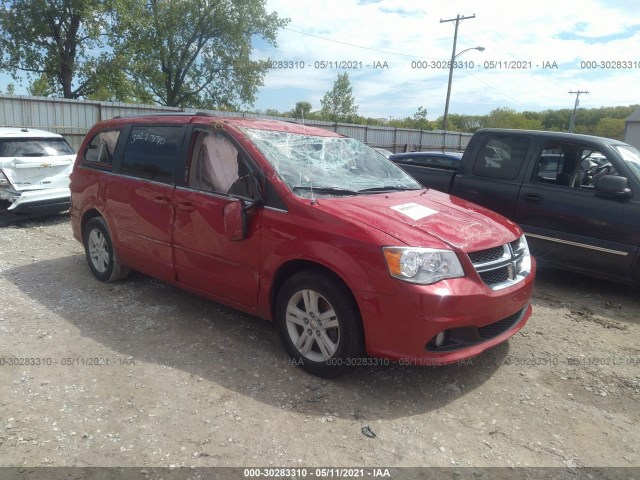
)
(571, 166)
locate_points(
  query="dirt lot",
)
(138, 373)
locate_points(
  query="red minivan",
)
(353, 260)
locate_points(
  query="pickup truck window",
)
(501, 157)
(631, 157)
(571, 165)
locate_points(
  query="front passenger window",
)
(218, 166)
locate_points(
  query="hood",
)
(427, 218)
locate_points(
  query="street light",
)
(453, 58)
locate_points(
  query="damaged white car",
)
(34, 171)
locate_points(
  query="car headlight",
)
(422, 265)
(521, 250)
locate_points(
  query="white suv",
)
(34, 171)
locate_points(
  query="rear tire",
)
(101, 256)
(319, 323)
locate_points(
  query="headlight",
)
(422, 265)
(521, 249)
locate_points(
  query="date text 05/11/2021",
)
(500, 64)
(16, 361)
(414, 65)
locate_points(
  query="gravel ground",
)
(139, 373)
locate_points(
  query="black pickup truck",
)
(577, 197)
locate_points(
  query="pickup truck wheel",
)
(318, 323)
(101, 256)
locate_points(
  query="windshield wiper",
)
(328, 190)
(387, 188)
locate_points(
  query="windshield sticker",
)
(414, 211)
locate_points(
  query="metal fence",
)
(73, 118)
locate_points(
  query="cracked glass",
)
(329, 166)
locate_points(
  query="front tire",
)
(319, 323)
(101, 256)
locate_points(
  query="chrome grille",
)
(486, 255)
(494, 277)
(501, 267)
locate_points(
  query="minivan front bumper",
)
(474, 318)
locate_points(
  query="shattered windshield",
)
(333, 166)
(631, 157)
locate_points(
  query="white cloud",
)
(411, 29)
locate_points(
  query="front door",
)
(206, 260)
(566, 222)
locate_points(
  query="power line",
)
(358, 46)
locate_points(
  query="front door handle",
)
(532, 198)
(162, 200)
(186, 206)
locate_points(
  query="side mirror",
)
(612, 186)
(235, 220)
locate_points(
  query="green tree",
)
(195, 53)
(301, 110)
(274, 113)
(610, 128)
(509, 118)
(11, 89)
(43, 86)
(113, 85)
(463, 123)
(420, 120)
(54, 40)
(338, 104)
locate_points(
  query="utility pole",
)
(458, 19)
(572, 124)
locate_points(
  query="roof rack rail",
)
(166, 114)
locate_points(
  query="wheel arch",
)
(88, 215)
(292, 267)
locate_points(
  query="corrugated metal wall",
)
(73, 118)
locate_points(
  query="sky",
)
(533, 57)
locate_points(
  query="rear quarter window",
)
(100, 150)
(501, 157)
(150, 152)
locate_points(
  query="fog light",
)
(439, 340)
